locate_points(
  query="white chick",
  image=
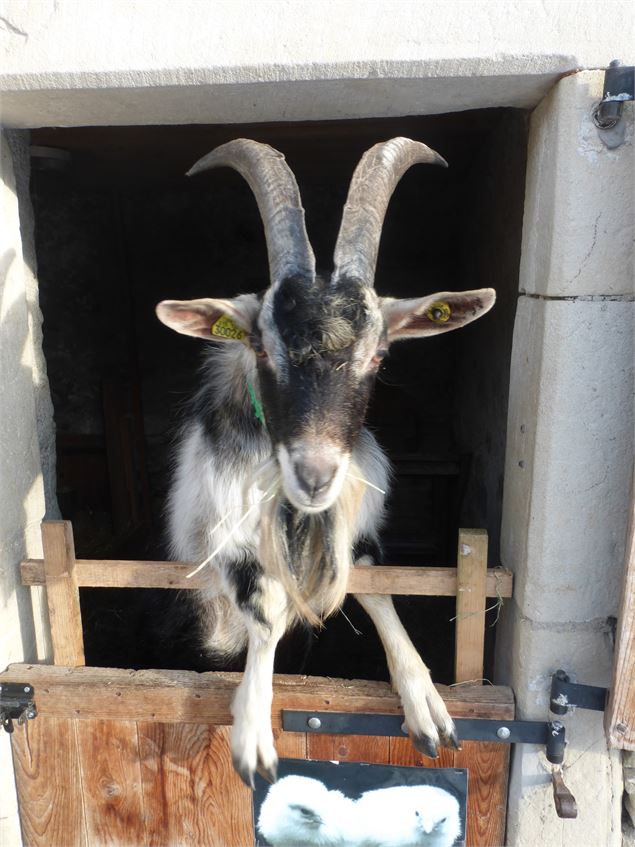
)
(301, 812)
(408, 816)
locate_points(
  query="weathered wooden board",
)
(185, 696)
(110, 775)
(471, 598)
(488, 767)
(364, 579)
(48, 782)
(62, 593)
(191, 792)
(620, 712)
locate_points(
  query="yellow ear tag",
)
(439, 312)
(225, 327)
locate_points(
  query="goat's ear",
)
(221, 320)
(434, 314)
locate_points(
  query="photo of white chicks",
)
(300, 811)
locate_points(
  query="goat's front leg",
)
(264, 609)
(426, 715)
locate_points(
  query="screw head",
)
(27, 688)
(404, 728)
(314, 723)
(503, 732)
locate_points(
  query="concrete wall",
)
(24, 422)
(198, 61)
(569, 452)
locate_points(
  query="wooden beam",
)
(185, 696)
(471, 599)
(366, 579)
(62, 593)
(620, 712)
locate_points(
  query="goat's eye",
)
(379, 356)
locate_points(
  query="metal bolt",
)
(27, 688)
(503, 732)
(314, 723)
(30, 714)
(621, 728)
(465, 549)
(404, 728)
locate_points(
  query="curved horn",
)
(278, 198)
(372, 185)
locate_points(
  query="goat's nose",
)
(314, 474)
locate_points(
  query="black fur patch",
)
(244, 576)
(305, 314)
(367, 547)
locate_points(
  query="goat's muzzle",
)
(312, 476)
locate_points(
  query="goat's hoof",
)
(451, 740)
(245, 773)
(269, 774)
(424, 744)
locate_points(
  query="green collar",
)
(255, 402)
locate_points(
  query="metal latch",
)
(619, 88)
(16, 704)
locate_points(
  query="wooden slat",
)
(48, 782)
(62, 593)
(290, 745)
(365, 579)
(348, 748)
(192, 794)
(402, 752)
(471, 599)
(620, 712)
(185, 696)
(487, 768)
(111, 781)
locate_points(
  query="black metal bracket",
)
(16, 704)
(550, 734)
(565, 694)
(619, 88)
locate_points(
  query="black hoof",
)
(245, 774)
(424, 744)
(270, 775)
(451, 740)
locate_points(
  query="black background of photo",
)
(355, 778)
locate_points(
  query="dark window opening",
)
(118, 228)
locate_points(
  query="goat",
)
(277, 483)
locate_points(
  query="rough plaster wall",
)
(569, 453)
(22, 506)
(293, 59)
(19, 146)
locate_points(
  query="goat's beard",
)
(309, 553)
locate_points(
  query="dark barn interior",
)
(118, 228)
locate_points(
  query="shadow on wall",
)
(19, 466)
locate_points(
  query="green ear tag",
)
(225, 327)
(439, 312)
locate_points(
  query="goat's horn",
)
(278, 198)
(372, 185)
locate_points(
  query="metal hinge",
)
(566, 694)
(16, 704)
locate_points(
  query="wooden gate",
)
(134, 758)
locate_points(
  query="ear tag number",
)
(439, 313)
(225, 327)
